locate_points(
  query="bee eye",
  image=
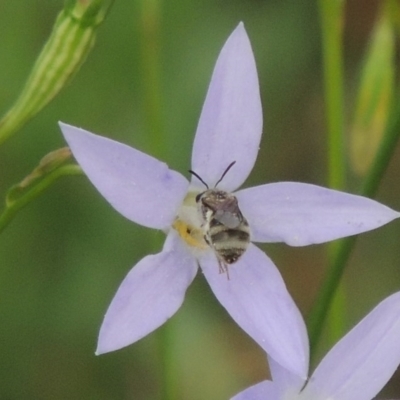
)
(198, 197)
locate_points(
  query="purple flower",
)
(145, 191)
(356, 368)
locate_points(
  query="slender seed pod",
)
(70, 42)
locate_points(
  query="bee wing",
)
(225, 211)
(228, 218)
(228, 213)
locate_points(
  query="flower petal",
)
(230, 124)
(138, 186)
(300, 214)
(256, 298)
(265, 390)
(284, 385)
(284, 379)
(364, 360)
(150, 294)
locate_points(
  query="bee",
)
(225, 229)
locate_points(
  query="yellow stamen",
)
(191, 235)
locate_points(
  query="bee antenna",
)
(199, 178)
(222, 177)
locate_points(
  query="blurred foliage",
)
(51, 167)
(63, 257)
(375, 93)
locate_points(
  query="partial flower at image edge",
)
(357, 367)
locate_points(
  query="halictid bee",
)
(226, 231)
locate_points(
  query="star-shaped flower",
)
(147, 192)
(356, 368)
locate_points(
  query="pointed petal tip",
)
(301, 214)
(67, 129)
(133, 182)
(63, 125)
(108, 341)
(257, 299)
(240, 32)
(240, 27)
(101, 349)
(150, 294)
(230, 123)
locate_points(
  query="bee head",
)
(198, 197)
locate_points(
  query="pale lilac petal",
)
(265, 390)
(150, 294)
(257, 299)
(284, 386)
(138, 186)
(300, 214)
(230, 124)
(284, 378)
(364, 360)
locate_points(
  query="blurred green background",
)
(63, 257)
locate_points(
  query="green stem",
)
(11, 210)
(165, 339)
(322, 304)
(150, 73)
(331, 15)
(370, 185)
(152, 100)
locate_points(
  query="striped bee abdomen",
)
(229, 244)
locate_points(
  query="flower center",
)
(188, 223)
(192, 236)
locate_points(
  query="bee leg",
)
(223, 268)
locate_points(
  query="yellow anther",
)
(191, 235)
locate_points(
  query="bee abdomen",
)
(230, 244)
(230, 236)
